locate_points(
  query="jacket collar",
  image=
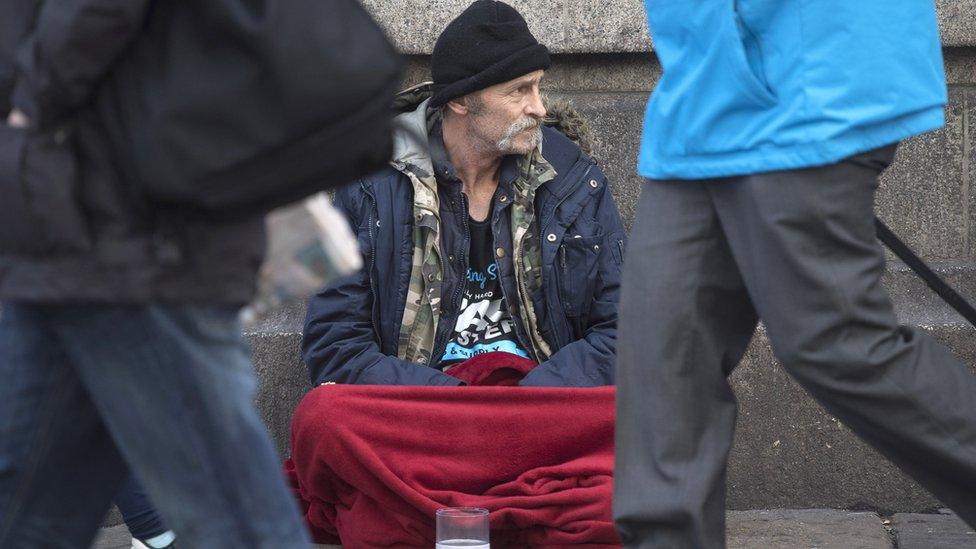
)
(412, 149)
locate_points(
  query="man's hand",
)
(17, 119)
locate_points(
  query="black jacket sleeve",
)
(340, 343)
(73, 45)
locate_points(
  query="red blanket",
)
(371, 464)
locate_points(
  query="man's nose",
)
(536, 108)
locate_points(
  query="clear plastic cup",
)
(465, 527)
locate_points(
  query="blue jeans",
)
(167, 390)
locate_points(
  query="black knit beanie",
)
(489, 43)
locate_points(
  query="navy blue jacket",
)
(352, 326)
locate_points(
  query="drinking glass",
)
(465, 527)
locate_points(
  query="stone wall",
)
(590, 26)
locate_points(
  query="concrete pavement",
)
(790, 529)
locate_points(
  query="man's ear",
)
(459, 105)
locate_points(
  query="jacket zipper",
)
(372, 264)
(564, 273)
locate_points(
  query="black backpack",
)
(240, 106)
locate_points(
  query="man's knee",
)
(322, 411)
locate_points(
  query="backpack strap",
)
(939, 286)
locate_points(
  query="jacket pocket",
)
(745, 56)
(709, 86)
(578, 263)
(39, 194)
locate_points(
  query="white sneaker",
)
(166, 540)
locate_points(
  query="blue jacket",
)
(352, 326)
(752, 86)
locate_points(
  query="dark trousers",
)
(141, 518)
(798, 250)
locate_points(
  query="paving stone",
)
(807, 529)
(117, 537)
(782, 529)
(932, 531)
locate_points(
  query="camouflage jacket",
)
(418, 330)
(562, 243)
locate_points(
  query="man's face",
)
(508, 116)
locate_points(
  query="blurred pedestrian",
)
(144, 142)
(762, 147)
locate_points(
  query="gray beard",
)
(506, 145)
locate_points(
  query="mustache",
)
(521, 125)
(527, 123)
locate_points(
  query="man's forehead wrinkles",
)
(519, 84)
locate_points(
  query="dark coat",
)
(353, 325)
(140, 253)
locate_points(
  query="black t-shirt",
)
(484, 324)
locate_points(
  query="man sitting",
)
(489, 232)
(492, 252)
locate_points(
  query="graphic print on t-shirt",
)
(484, 324)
